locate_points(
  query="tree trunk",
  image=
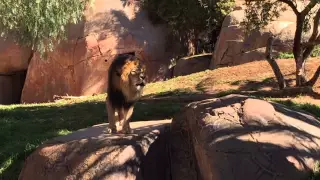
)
(281, 82)
(191, 48)
(298, 51)
(192, 43)
(300, 72)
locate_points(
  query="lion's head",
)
(131, 78)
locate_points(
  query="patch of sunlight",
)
(6, 164)
(63, 132)
(59, 103)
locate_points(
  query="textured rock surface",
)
(92, 154)
(233, 49)
(14, 61)
(13, 57)
(191, 65)
(236, 137)
(77, 66)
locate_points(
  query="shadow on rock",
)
(237, 137)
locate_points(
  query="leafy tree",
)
(189, 20)
(38, 24)
(259, 13)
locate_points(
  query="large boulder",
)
(92, 154)
(77, 66)
(238, 137)
(234, 48)
(193, 64)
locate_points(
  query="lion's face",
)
(137, 79)
(133, 79)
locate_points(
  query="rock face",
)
(191, 65)
(237, 137)
(92, 154)
(13, 57)
(77, 66)
(233, 49)
(14, 62)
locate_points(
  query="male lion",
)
(126, 80)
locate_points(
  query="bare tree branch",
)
(314, 79)
(291, 5)
(315, 31)
(308, 8)
(313, 43)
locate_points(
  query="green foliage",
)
(260, 13)
(316, 51)
(285, 55)
(187, 20)
(38, 24)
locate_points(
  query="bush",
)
(284, 55)
(316, 51)
(38, 24)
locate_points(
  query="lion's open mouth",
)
(141, 84)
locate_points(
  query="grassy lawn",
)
(24, 127)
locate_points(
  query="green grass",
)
(308, 107)
(24, 127)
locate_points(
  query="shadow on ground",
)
(22, 129)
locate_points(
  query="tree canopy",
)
(38, 24)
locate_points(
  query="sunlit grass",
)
(24, 127)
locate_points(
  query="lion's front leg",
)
(112, 128)
(126, 124)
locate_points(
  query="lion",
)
(126, 81)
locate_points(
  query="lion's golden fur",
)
(125, 86)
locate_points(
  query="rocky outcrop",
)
(14, 61)
(92, 154)
(77, 66)
(237, 137)
(13, 58)
(192, 64)
(233, 48)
